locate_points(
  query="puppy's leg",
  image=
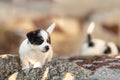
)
(25, 62)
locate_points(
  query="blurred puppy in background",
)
(36, 49)
(97, 47)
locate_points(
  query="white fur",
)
(98, 48)
(51, 28)
(33, 56)
(91, 28)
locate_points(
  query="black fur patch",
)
(34, 38)
(108, 50)
(118, 47)
(90, 43)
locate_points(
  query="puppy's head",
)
(40, 39)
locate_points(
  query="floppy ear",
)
(31, 36)
(51, 28)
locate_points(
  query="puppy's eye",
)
(39, 40)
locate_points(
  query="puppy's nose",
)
(47, 48)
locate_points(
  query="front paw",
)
(37, 65)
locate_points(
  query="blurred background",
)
(17, 17)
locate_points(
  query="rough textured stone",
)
(30, 74)
(104, 73)
(98, 68)
(57, 70)
(8, 65)
(104, 67)
(95, 62)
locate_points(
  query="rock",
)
(104, 67)
(71, 68)
(55, 70)
(104, 73)
(96, 62)
(8, 65)
(58, 70)
(30, 74)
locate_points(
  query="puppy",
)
(97, 47)
(36, 49)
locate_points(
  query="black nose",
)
(47, 48)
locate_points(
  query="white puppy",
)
(98, 47)
(36, 49)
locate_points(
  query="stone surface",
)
(56, 70)
(93, 63)
(8, 65)
(104, 73)
(104, 67)
(30, 74)
(69, 68)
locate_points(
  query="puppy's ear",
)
(31, 36)
(51, 28)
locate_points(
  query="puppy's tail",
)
(89, 32)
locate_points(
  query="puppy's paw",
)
(37, 65)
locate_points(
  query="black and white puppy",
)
(97, 47)
(36, 49)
